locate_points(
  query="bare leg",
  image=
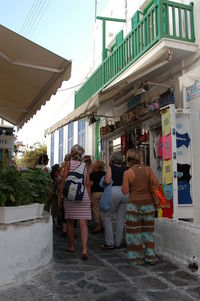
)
(70, 234)
(84, 235)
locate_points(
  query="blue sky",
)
(62, 26)
(65, 26)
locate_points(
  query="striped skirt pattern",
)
(78, 210)
(140, 233)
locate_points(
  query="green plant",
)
(22, 188)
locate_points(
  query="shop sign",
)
(6, 142)
(193, 91)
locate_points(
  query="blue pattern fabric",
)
(140, 233)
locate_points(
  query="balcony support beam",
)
(104, 19)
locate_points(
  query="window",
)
(60, 145)
(81, 133)
(52, 150)
(70, 136)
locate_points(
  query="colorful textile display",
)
(167, 147)
(167, 172)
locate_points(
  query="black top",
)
(117, 175)
(95, 177)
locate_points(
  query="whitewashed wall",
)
(177, 240)
(25, 247)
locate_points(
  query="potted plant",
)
(25, 192)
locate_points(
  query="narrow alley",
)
(106, 276)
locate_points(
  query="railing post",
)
(104, 53)
(160, 19)
(192, 21)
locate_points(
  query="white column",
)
(195, 122)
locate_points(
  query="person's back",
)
(76, 210)
(96, 194)
(117, 174)
(114, 175)
(140, 191)
(95, 177)
(140, 209)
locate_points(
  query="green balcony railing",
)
(164, 19)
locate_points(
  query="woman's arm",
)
(65, 174)
(108, 176)
(125, 183)
(87, 184)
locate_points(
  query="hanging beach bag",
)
(157, 193)
(75, 184)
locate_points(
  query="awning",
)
(86, 109)
(189, 78)
(94, 105)
(162, 57)
(29, 76)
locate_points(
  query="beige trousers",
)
(97, 214)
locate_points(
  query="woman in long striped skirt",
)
(140, 211)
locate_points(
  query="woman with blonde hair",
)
(76, 210)
(96, 194)
(140, 212)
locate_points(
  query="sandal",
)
(84, 257)
(70, 251)
(106, 247)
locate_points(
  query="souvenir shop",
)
(153, 125)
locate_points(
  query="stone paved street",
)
(106, 276)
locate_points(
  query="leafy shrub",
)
(22, 188)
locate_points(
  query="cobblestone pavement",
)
(106, 276)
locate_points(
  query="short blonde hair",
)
(98, 165)
(133, 157)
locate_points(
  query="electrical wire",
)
(31, 20)
(41, 16)
(28, 16)
(59, 90)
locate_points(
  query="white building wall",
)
(90, 140)
(17, 257)
(122, 9)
